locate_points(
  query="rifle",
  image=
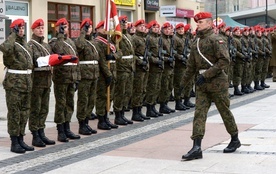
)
(172, 51)
(232, 49)
(160, 52)
(186, 49)
(146, 53)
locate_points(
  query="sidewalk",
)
(156, 146)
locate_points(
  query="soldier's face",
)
(155, 29)
(39, 31)
(21, 31)
(167, 31)
(141, 28)
(204, 24)
(180, 30)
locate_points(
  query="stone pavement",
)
(156, 145)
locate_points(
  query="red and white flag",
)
(112, 20)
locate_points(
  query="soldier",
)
(156, 68)
(238, 64)
(180, 62)
(141, 68)
(267, 58)
(167, 74)
(254, 49)
(89, 68)
(273, 59)
(107, 76)
(42, 81)
(124, 67)
(221, 31)
(17, 58)
(209, 57)
(65, 78)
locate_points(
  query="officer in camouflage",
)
(89, 68)
(124, 66)
(209, 57)
(267, 58)
(65, 78)
(42, 81)
(17, 58)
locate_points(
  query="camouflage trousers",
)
(86, 98)
(258, 69)
(265, 68)
(178, 82)
(238, 72)
(18, 105)
(230, 72)
(39, 108)
(129, 90)
(138, 88)
(246, 73)
(166, 85)
(145, 85)
(153, 87)
(203, 103)
(64, 107)
(120, 92)
(101, 100)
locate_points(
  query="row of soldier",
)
(144, 68)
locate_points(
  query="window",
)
(74, 15)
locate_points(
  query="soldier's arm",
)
(153, 49)
(7, 47)
(102, 61)
(80, 42)
(190, 69)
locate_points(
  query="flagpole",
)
(108, 52)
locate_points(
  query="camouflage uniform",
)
(266, 60)
(64, 78)
(18, 86)
(247, 66)
(259, 63)
(42, 81)
(215, 87)
(89, 68)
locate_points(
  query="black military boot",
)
(192, 93)
(154, 110)
(163, 109)
(171, 97)
(46, 140)
(179, 105)
(15, 146)
(69, 134)
(264, 85)
(188, 103)
(171, 110)
(237, 91)
(257, 86)
(135, 115)
(233, 145)
(93, 116)
(88, 127)
(23, 144)
(37, 140)
(141, 114)
(113, 126)
(150, 112)
(245, 90)
(250, 88)
(195, 152)
(102, 124)
(123, 117)
(61, 135)
(118, 119)
(83, 130)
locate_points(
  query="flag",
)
(112, 20)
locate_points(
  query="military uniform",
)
(273, 59)
(17, 58)
(268, 53)
(89, 69)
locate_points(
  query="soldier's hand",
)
(170, 59)
(76, 85)
(108, 80)
(200, 80)
(16, 29)
(144, 63)
(159, 62)
(61, 29)
(109, 57)
(74, 58)
(86, 27)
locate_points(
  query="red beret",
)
(86, 20)
(123, 18)
(179, 25)
(187, 27)
(236, 28)
(246, 29)
(202, 15)
(223, 24)
(166, 25)
(152, 23)
(37, 23)
(141, 21)
(227, 28)
(61, 21)
(18, 22)
(100, 24)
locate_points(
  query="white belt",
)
(112, 61)
(127, 57)
(14, 71)
(201, 71)
(141, 57)
(70, 63)
(46, 68)
(93, 62)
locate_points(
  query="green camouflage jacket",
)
(139, 49)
